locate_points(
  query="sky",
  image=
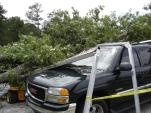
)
(20, 7)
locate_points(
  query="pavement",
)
(22, 108)
(14, 108)
(145, 108)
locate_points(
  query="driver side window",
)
(125, 57)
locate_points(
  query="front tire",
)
(97, 107)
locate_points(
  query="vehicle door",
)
(123, 82)
(145, 81)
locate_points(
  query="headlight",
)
(58, 95)
(58, 91)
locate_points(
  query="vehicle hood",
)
(57, 78)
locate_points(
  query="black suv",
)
(63, 87)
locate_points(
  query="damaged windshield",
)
(106, 57)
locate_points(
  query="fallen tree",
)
(20, 71)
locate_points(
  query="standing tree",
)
(2, 24)
(14, 28)
(33, 14)
(2, 11)
(147, 7)
(30, 29)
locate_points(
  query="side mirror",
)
(125, 66)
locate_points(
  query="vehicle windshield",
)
(106, 57)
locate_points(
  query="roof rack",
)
(146, 42)
(142, 42)
(135, 43)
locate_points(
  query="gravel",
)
(22, 108)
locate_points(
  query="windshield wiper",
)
(73, 65)
(100, 69)
(84, 66)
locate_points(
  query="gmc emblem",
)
(34, 91)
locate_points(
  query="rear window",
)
(145, 56)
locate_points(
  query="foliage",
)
(137, 26)
(12, 77)
(14, 25)
(14, 80)
(30, 29)
(65, 30)
(81, 32)
(37, 51)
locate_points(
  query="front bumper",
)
(46, 108)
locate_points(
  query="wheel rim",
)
(96, 108)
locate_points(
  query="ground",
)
(22, 108)
(14, 108)
(146, 108)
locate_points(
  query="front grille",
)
(37, 92)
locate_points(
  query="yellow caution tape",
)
(124, 94)
(88, 98)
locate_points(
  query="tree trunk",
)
(19, 70)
